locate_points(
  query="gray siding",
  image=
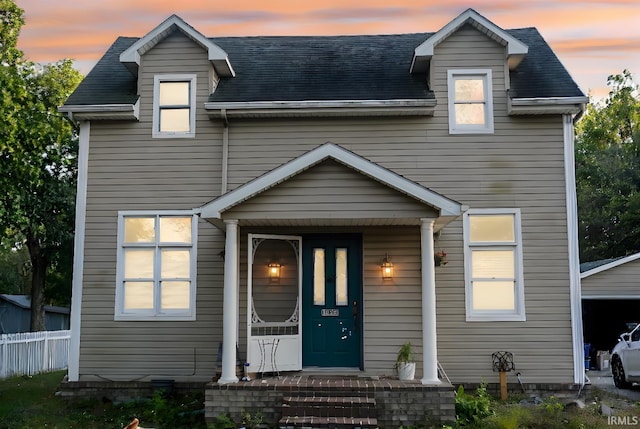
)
(128, 170)
(620, 281)
(519, 166)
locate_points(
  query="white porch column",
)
(429, 341)
(230, 304)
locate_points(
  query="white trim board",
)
(78, 251)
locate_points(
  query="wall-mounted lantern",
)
(274, 272)
(387, 268)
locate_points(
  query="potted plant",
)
(440, 258)
(405, 365)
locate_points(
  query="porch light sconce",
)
(274, 272)
(387, 268)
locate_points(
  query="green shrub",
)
(472, 409)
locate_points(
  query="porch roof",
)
(435, 205)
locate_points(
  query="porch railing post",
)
(429, 340)
(230, 304)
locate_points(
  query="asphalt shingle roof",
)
(295, 68)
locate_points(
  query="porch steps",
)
(328, 412)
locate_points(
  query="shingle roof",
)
(24, 301)
(295, 68)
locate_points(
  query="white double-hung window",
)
(493, 265)
(156, 266)
(470, 101)
(174, 100)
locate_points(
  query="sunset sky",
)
(593, 39)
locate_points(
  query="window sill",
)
(148, 318)
(496, 318)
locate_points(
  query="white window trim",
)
(518, 314)
(157, 79)
(146, 315)
(486, 76)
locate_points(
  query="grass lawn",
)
(30, 403)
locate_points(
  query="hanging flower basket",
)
(440, 258)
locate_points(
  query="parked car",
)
(625, 359)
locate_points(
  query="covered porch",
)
(330, 219)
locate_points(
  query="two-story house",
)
(312, 203)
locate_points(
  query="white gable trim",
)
(217, 56)
(610, 265)
(215, 208)
(516, 50)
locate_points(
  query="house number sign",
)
(330, 312)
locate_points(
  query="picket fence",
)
(29, 353)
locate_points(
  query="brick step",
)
(313, 422)
(328, 412)
(329, 406)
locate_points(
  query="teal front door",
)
(331, 301)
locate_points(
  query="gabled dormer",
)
(515, 49)
(218, 57)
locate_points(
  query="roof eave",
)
(329, 108)
(547, 105)
(102, 111)
(613, 264)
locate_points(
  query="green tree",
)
(11, 20)
(38, 156)
(608, 173)
(15, 271)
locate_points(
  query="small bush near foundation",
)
(472, 409)
(223, 421)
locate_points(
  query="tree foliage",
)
(38, 156)
(608, 173)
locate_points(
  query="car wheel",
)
(617, 371)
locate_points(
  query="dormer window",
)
(174, 106)
(470, 102)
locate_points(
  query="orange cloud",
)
(584, 33)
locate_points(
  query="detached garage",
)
(610, 300)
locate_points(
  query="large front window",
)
(174, 106)
(156, 266)
(493, 265)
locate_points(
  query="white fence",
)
(29, 353)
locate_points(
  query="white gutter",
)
(102, 111)
(546, 105)
(225, 151)
(422, 107)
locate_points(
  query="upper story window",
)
(156, 266)
(174, 100)
(470, 101)
(493, 265)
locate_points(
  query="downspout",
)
(225, 150)
(575, 294)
